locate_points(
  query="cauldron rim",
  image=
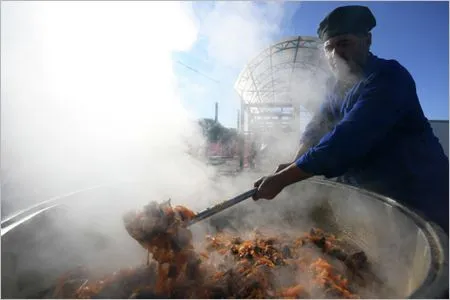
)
(437, 279)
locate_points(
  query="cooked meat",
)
(262, 264)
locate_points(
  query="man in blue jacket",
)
(371, 131)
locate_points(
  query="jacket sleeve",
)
(382, 102)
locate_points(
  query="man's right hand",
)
(278, 169)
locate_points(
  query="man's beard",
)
(346, 71)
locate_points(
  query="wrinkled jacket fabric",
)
(376, 136)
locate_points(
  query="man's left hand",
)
(268, 187)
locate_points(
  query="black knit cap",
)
(352, 19)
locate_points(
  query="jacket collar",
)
(371, 64)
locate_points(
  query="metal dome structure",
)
(266, 85)
(277, 91)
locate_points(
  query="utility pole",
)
(216, 112)
(238, 120)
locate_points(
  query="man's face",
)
(346, 54)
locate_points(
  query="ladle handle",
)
(222, 206)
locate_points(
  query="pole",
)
(216, 112)
(238, 120)
(242, 136)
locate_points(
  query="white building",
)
(440, 129)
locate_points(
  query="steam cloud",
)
(89, 95)
(237, 31)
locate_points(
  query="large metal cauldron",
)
(407, 253)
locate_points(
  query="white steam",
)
(237, 31)
(88, 96)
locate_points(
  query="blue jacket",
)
(376, 136)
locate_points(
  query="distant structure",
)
(270, 103)
(440, 129)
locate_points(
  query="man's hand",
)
(270, 186)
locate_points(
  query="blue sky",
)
(414, 33)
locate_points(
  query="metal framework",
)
(265, 85)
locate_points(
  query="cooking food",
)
(259, 264)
